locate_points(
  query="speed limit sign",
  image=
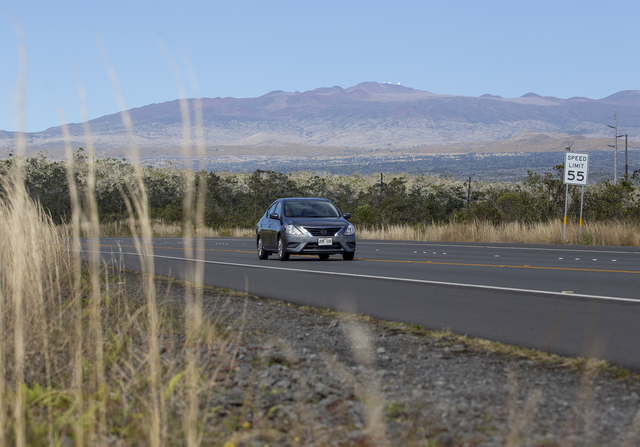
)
(576, 168)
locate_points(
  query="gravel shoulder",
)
(314, 377)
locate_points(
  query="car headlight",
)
(350, 230)
(291, 229)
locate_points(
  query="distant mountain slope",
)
(369, 115)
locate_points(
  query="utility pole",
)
(381, 183)
(469, 195)
(615, 158)
(626, 157)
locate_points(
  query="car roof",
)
(306, 198)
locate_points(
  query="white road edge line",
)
(389, 278)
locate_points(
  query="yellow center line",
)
(459, 264)
(572, 269)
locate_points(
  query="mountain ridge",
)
(368, 115)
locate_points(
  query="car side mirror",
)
(274, 216)
(347, 216)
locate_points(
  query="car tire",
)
(324, 256)
(262, 253)
(348, 256)
(282, 254)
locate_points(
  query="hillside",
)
(368, 116)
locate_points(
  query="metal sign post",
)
(576, 170)
(581, 203)
(566, 202)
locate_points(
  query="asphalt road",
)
(572, 300)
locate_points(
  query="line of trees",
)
(239, 199)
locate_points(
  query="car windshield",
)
(309, 208)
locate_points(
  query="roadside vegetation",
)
(91, 355)
(410, 207)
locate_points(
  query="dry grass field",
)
(624, 233)
(599, 233)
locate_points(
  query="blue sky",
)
(249, 48)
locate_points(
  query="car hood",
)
(316, 221)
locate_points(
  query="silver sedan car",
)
(304, 226)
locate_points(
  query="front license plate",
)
(325, 241)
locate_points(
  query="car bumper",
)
(310, 244)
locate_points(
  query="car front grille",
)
(324, 231)
(314, 246)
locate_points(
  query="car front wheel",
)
(348, 256)
(262, 254)
(282, 254)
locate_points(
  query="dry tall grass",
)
(34, 282)
(599, 233)
(54, 388)
(625, 233)
(80, 349)
(160, 228)
(80, 353)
